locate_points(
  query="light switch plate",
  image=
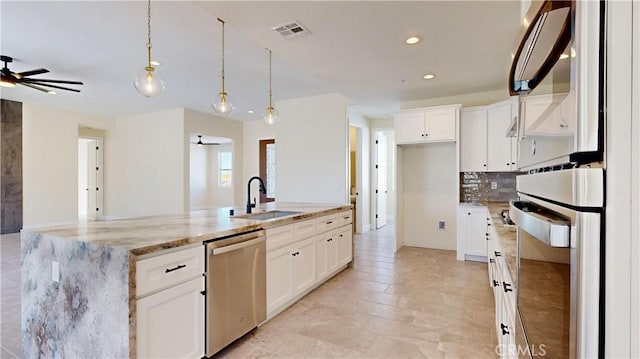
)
(442, 225)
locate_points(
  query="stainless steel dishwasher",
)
(236, 288)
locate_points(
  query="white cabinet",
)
(537, 110)
(501, 150)
(472, 233)
(345, 245)
(431, 124)
(484, 146)
(304, 265)
(473, 140)
(304, 254)
(504, 290)
(170, 304)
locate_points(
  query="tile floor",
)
(416, 303)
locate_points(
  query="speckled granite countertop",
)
(506, 235)
(144, 235)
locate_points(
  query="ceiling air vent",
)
(292, 30)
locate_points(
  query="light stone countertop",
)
(506, 236)
(143, 235)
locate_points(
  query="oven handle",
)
(542, 224)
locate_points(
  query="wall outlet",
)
(442, 225)
(55, 272)
(494, 185)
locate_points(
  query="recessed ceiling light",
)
(251, 111)
(412, 40)
(428, 76)
(155, 63)
(564, 56)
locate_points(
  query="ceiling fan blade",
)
(48, 85)
(52, 81)
(33, 87)
(30, 73)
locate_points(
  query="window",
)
(268, 169)
(225, 169)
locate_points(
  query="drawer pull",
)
(491, 260)
(295, 254)
(504, 329)
(496, 283)
(498, 254)
(329, 222)
(506, 286)
(329, 240)
(168, 270)
(347, 217)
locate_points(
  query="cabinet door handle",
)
(426, 134)
(513, 163)
(496, 283)
(484, 165)
(295, 254)
(506, 286)
(491, 260)
(504, 329)
(168, 270)
(498, 254)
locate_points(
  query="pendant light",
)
(224, 105)
(148, 81)
(271, 116)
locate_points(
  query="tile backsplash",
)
(476, 187)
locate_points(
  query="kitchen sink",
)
(266, 215)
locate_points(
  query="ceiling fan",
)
(200, 143)
(10, 79)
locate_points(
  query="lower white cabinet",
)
(170, 323)
(345, 245)
(290, 271)
(170, 304)
(472, 233)
(309, 258)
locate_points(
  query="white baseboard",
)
(366, 228)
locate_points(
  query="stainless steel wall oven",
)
(560, 211)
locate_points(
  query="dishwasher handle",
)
(233, 247)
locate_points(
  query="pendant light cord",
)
(270, 79)
(149, 68)
(222, 21)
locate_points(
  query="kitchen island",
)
(79, 282)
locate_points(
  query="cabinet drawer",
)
(167, 270)
(305, 229)
(327, 223)
(345, 218)
(280, 236)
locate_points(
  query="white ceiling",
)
(356, 48)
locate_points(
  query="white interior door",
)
(381, 179)
(92, 179)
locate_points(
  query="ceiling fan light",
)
(149, 83)
(224, 106)
(271, 116)
(6, 81)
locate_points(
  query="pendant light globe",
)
(224, 106)
(271, 116)
(149, 82)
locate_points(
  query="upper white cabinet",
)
(552, 114)
(430, 124)
(501, 150)
(473, 140)
(484, 146)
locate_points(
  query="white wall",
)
(312, 150)
(253, 132)
(429, 194)
(467, 100)
(204, 177)
(50, 163)
(144, 165)
(365, 212)
(210, 125)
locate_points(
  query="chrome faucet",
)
(262, 190)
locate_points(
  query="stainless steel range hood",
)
(545, 34)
